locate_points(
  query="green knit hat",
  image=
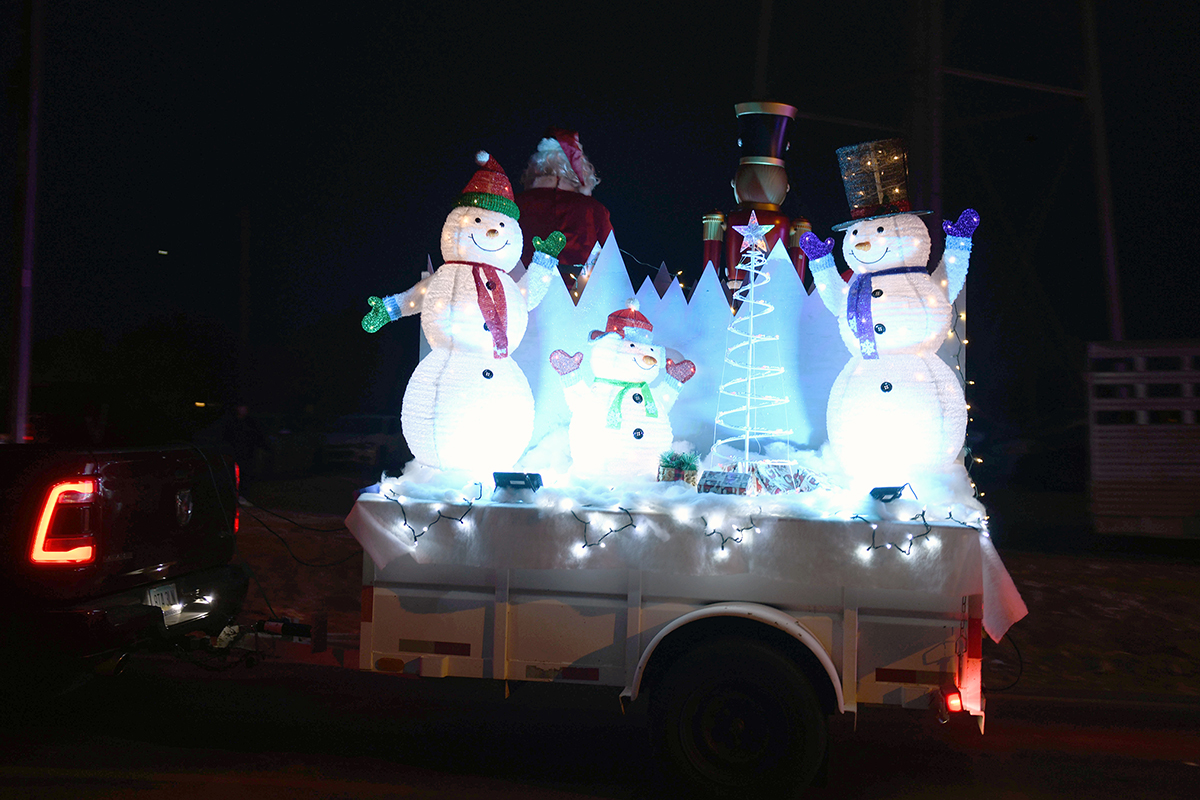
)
(489, 189)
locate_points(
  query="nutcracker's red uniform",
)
(759, 186)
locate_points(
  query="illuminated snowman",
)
(468, 405)
(619, 418)
(897, 411)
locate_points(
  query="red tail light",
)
(237, 501)
(66, 527)
(953, 702)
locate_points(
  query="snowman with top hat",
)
(896, 413)
(619, 415)
(468, 405)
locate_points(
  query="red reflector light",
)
(954, 702)
(72, 545)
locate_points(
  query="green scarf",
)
(614, 409)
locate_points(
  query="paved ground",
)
(1106, 616)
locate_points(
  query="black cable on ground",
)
(297, 524)
(295, 557)
(1020, 666)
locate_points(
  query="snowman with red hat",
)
(468, 405)
(619, 416)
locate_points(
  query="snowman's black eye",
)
(854, 232)
(879, 229)
(478, 220)
(502, 225)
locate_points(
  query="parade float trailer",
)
(740, 617)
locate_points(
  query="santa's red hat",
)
(629, 323)
(569, 142)
(489, 188)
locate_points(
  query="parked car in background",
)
(372, 440)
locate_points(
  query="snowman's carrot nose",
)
(864, 246)
(649, 361)
(492, 233)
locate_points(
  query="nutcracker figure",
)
(759, 185)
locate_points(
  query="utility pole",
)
(24, 320)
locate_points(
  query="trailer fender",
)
(759, 613)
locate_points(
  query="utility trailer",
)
(741, 632)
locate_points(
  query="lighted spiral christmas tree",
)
(746, 361)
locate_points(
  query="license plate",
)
(164, 597)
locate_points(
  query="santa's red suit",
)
(582, 218)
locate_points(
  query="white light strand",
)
(742, 355)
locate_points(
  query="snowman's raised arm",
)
(536, 281)
(408, 302)
(825, 274)
(957, 258)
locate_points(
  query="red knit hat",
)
(629, 323)
(489, 188)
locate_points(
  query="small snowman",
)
(468, 405)
(619, 423)
(897, 411)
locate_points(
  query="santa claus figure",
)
(558, 183)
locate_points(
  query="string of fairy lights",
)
(736, 534)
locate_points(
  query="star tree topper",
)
(753, 234)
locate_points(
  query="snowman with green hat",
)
(468, 405)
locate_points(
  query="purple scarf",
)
(858, 307)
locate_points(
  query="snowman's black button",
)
(877, 293)
(638, 433)
(490, 286)
(487, 373)
(885, 387)
(879, 328)
(637, 397)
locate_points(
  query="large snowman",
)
(896, 413)
(468, 405)
(619, 416)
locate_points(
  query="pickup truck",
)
(108, 550)
(740, 628)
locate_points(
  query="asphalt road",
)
(166, 728)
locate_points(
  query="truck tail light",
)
(237, 496)
(954, 701)
(66, 527)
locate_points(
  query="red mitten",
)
(564, 364)
(682, 371)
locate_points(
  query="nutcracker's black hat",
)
(763, 131)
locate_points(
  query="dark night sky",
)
(345, 131)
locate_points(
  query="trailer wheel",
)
(735, 718)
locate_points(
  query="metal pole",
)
(21, 369)
(1116, 324)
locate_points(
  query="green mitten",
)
(377, 317)
(552, 245)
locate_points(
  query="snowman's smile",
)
(646, 362)
(876, 261)
(488, 249)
